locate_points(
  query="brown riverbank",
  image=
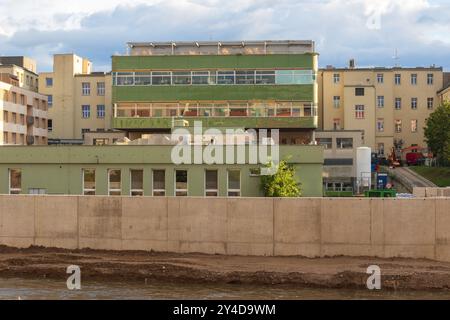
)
(339, 272)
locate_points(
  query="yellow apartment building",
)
(23, 68)
(388, 104)
(79, 99)
(23, 113)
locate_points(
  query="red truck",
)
(414, 158)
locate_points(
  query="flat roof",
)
(382, 68)
(220, 43)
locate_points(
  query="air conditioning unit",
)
(30, 120)
(30, 140)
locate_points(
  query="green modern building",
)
(160, 86)
(145, 170)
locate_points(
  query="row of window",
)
(214, 77)
(397, 78)
(14, 97)
(19, 118)
(380, 125)
(19, 139)
(211, 182)
(86, 88)
(341, 143)
(86, 111)
(397, 104)
(225, 109)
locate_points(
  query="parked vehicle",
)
(414, 158)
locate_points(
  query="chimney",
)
(352, 64)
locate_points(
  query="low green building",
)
(143, 170)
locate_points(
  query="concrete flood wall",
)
(432, 192)
(311, 227)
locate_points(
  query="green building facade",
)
(142, 170)
(259, 85)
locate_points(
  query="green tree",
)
(282, 183)
(437, 133)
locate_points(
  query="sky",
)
(373, 32)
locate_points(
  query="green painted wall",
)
(134, 63)
(230, 122)
(212, 93)
(58, 169)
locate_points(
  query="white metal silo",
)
(363, 168)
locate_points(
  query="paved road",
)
(410, 179)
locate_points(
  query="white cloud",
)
(342, 29)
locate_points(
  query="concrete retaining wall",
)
(431, 192)
(311, 227)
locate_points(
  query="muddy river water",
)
(54, 289)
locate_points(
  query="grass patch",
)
(439, 176)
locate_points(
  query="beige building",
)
(23, 68)
(23, 114)
(339, 169)
(79, 99)
(389, 104)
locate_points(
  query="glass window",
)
(398, 79)
(245, 77)
(430, 103)
(414, 79)
(143, 78)
(359, 111)
(337, 124)
(201, 77)
(284, 109)
(161, 78)
(89, 182)
(181, 77)
(86, 89)
(225, 77)
(100, 111)
(238, 110)
(100, 141)
(100, 88)
(114, 182)
(381, 149)
(325, 142)
(124, 78)
(137, 182)
(380, 78)
(86, 111)
(336, 78)
(265, 77)
(359, 92)
(344, 143)
(50, 100)
(398, 103)
(413, 125)
(380, 125)
(15, 181)
(430, 79)
(211, 183)
(398, 126)
(181, 183)
(380, 101)
(337, 101)
(49, 82)
(50, 125)
(234, 183)
(159, 183)
(414, 103)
